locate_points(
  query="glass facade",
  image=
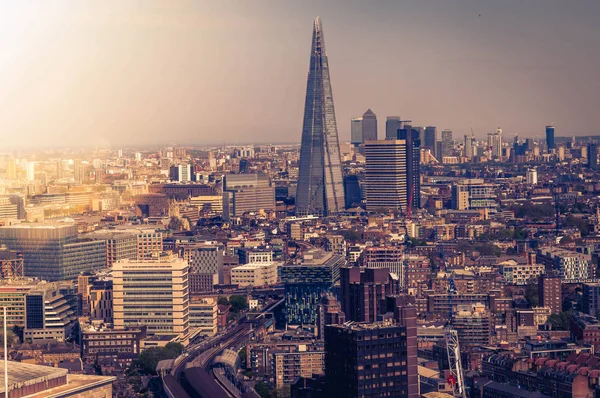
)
(320, 187)
(54, 252)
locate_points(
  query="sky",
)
(124, 73)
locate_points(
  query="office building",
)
(119, 246)
(550, 138)
(550, 293)
(48, 314)
(356, 136)
(532, 176)
(206, 265)
(306, 281)
(255, 274)
(447, 144)
(392, 125)
(430, 140)
(371, 360)
(11, 264)
(203, 316)
(369, 126)
(386, 185)
(320, 188)
(153, 293)
(245, 193)
(53, 251)
(590, 299)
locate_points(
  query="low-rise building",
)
(203, 316)
(100, 340)
(254, 274)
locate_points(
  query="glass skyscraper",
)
(320, 185)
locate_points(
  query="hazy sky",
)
(125, 72)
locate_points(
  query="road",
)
(202, 354)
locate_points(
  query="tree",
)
(238, 303)
(149, 358)
(175, 224)
(560, 321)
(222, 300)
(177, 348)
(531, 295)
(262, 389)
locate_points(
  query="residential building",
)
(550, 293)
(590, 298)
(288, 366)
(572, 267)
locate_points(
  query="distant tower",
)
(356, 135)
(369, 126)
(392, 125)
(447, 143)
(430, 139)
(320, 188)
(532, 176)
(550, 138)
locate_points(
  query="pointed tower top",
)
(369, 112)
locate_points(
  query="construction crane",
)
(456, 378)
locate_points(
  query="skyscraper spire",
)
(320, 182)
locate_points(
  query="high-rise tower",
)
(320, 185)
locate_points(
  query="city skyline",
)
(124, 73)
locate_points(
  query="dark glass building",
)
(592, 156)
(413, 165)
(352, 192)
(430, 139)
(372, 359)
(320, 184)
(550, 138)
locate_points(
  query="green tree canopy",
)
(238, 303)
